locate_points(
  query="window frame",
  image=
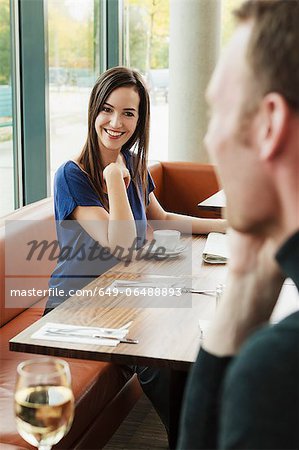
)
(30, 85)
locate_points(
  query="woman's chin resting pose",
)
(103, 200)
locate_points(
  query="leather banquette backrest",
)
(180, 186)
(18, 273)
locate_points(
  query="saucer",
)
(168, 253)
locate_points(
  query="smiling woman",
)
(106, 193)
(105, 197)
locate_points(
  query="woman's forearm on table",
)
(197, 225)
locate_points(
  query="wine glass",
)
(44, 401)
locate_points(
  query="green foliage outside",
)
(147, 34)
(4, 42)
(147, 31)
(71, 40)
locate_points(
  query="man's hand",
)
(252, 288)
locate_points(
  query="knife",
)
(93, 336)
(133, 284)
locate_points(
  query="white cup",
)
(168, 239)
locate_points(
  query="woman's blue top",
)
(80, 258)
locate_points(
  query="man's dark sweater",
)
(250, 401)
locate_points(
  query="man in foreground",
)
(243, 391)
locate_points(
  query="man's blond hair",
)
(273, 50)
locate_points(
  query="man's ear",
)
(273, 125)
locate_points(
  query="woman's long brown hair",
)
(90, 157)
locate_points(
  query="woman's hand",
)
(122, 228)
(116, 169)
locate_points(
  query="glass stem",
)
(44, 447)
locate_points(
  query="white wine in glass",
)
(44, 401)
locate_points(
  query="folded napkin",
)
(216, 249)
(86, 335)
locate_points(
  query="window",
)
(78, 51)
(6, 121)
(146, 48)
(73, 30)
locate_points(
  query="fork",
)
(96, 329)
(195, 291)
(80, 329)
(53, 332)
(134, 284)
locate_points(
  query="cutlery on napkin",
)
(81, 334)
(93, 336)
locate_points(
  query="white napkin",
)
(216, 249)
(88, 331)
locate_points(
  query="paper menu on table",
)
(216, 249)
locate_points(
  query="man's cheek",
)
(213, 146)
(209, 141)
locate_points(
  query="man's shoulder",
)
(261, 352)
(259, 403)
(284, 334)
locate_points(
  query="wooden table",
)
(215, 203)
(167, 327)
